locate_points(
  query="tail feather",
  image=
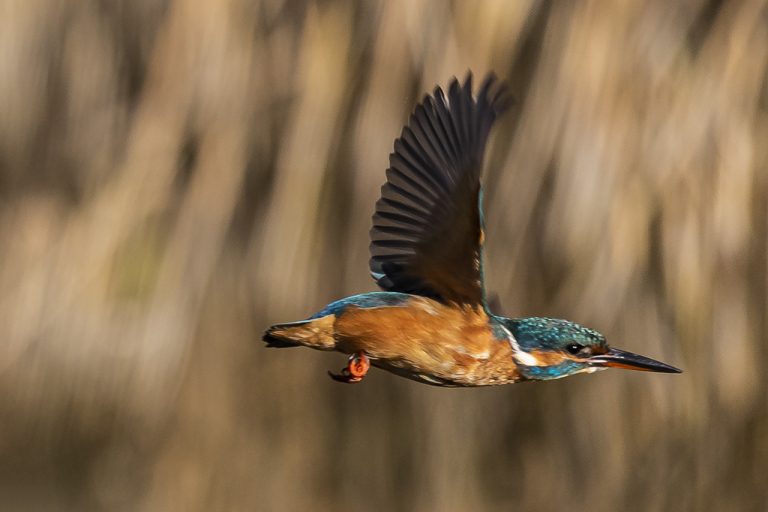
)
(278, 335)
(275, 342)
(317, 333)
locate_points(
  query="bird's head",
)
(548, 348)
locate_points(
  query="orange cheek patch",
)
(547, 358)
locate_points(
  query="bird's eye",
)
(574, 348)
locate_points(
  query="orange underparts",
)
(357, 367)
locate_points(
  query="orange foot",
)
(355, 370)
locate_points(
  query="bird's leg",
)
(357, 367)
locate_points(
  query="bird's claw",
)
(357, 367)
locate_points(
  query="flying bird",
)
(432, 322)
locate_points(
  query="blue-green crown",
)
(552, 334)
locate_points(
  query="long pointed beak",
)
(616, 358)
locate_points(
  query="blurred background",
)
(177, 175)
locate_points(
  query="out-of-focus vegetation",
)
(177, 175)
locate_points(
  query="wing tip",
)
(493, 91)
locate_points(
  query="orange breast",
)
(428, 340)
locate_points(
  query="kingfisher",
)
(432, 322)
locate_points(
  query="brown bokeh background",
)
(177, 175)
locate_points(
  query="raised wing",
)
(427, 230)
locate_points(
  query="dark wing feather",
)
(427, 230)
